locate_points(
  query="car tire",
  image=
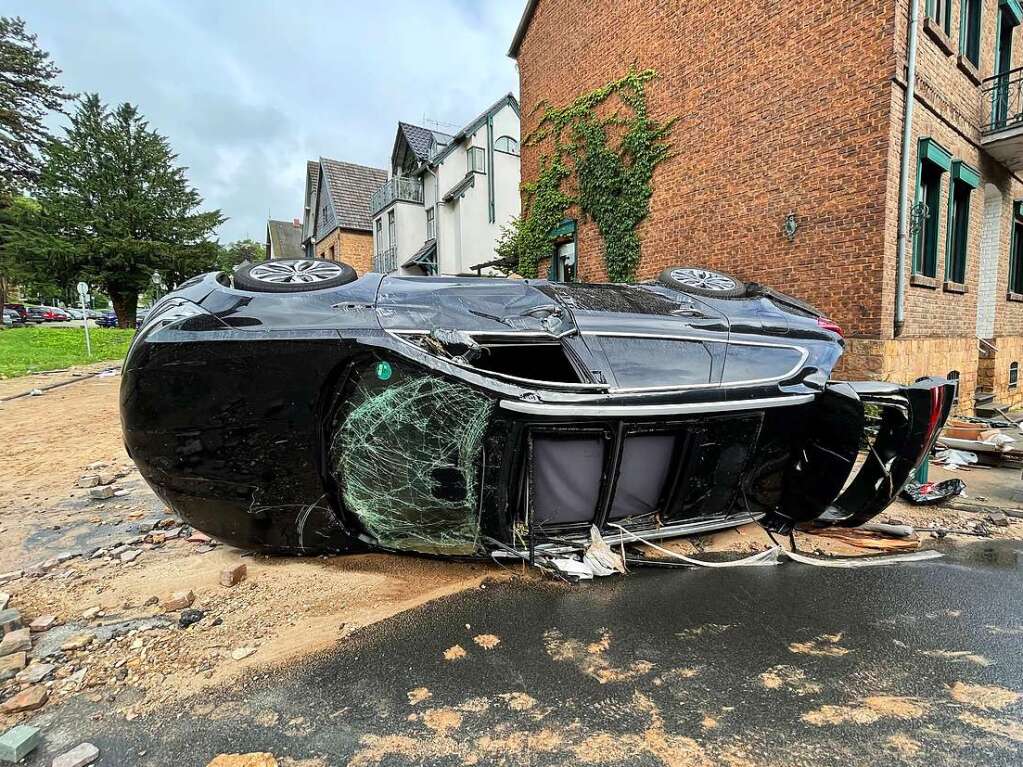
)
(703, 282)
(293, 275)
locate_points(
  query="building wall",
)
(800, 113)
(351, 247)
(789, 114)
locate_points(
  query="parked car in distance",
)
(11, 319)
(18, 309)
(107, 320)
(75, 314)
(35, 314)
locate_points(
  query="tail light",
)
(831, 325)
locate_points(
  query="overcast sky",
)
(248, 91)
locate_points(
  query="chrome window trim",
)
(804, 354)
(672, 408)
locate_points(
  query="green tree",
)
(120, 207)
(27, 95)
(239, 251)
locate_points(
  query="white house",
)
(446, 198)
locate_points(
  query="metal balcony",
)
(386, 261)
(1001, 127)
(400, 188)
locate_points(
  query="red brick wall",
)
(781, 108)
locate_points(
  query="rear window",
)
(646, 362)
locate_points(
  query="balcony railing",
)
(386, 261)
(1002, 102)
(400, 188)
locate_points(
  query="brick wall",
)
(780, 110)
(353, 248)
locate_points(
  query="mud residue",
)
(826, 645)
(827, 715)
(896, 706)
(418, 695)
(487, 641)
(518, 701)
(442, 720)
(1001, 727)
(957, 656)
(789, 678)
(591, 658)
(902, 745)
(867, 711)
(988, 697)
(454, 653)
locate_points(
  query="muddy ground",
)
(104, 570)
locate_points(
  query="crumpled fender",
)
(911, 420)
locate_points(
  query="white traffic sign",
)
(83, 289)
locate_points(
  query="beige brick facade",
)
(353, 248)
(802, 112)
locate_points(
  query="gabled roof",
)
(421, 140)
(350, 186)
(285, 239)
(473, 125)
(520, 32)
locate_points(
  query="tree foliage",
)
(607, 161)
(27, 95)
(118, 208)
(240, 251)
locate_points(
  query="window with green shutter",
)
(1016, 249)
(933, 161)
(964, 180)
(969, 30)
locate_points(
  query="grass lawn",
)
(33, 349)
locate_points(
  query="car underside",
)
(480, 416)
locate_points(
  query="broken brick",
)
(89, 480)
(81, 755)
(28, 699)
(11, 664)
(43, 623)
(179, 600)
(15, 641)
(101, 493)
(232, 576)
(10, 620)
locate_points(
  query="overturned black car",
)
(298, 408)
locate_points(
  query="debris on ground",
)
(81, 755)
(232, 576)
(18, 742)
(929, 493)
(262, 759)
(870, 539)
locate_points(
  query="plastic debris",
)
(599, 556)
(952, 458)
(931, 493)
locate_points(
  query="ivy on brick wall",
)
(601, 163)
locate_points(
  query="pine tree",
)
(120, 207)
(27, 94)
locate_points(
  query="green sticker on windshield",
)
(384, 370)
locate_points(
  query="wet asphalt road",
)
(788, 665)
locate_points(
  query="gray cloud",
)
(247, 92)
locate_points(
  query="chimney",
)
(296, 223)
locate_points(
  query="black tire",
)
(703, 282)
(293, 275)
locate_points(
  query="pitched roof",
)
(520, 32)
(285, 238)
(471, 127)
(350, 188)
(421, 139)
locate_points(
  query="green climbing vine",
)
(607, 161)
